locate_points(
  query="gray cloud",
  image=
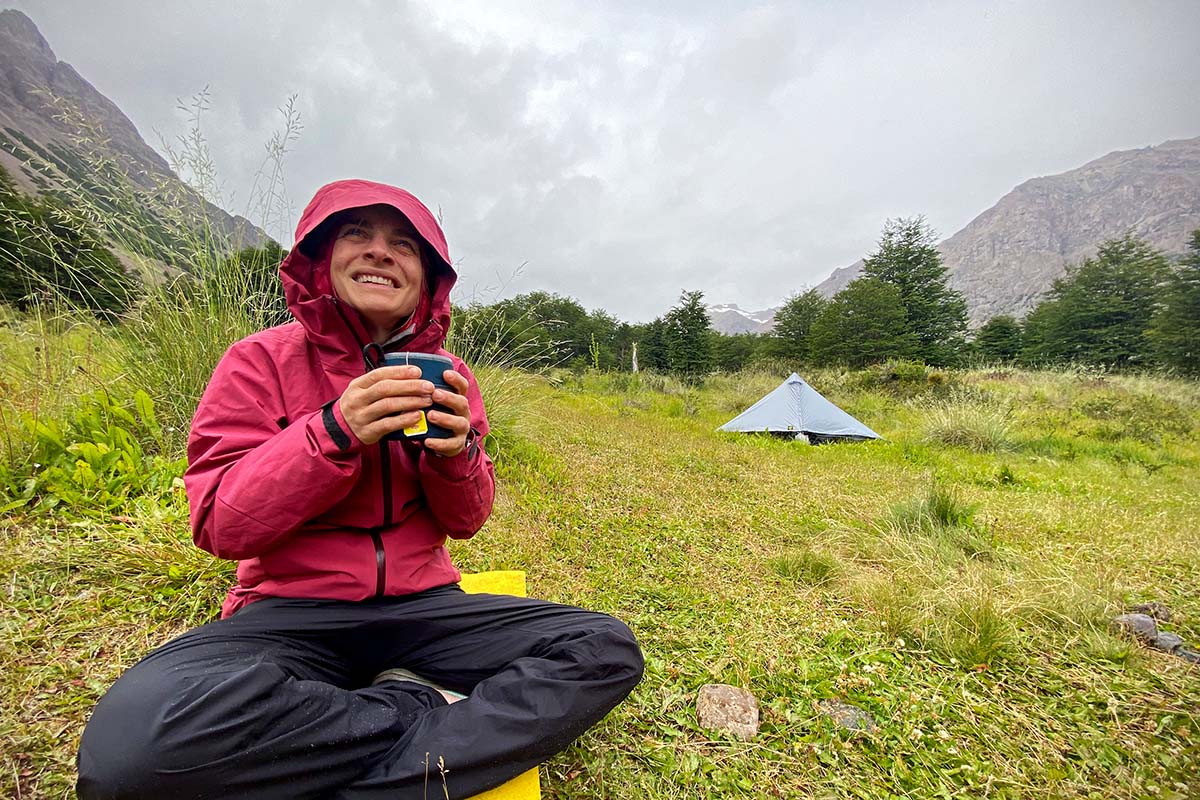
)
(622, 155)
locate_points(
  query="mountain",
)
(1005, 258)
(730, 319)
(59, 136)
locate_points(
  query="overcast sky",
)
(620, 155)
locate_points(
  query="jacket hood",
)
(334, 327)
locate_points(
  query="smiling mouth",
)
(377, 280)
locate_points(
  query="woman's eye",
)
(354, 231)
(405, 245)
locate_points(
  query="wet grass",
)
(958, 594)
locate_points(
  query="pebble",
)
(1168, 641)
(1144, 628)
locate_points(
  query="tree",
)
(732, 352)
(687, 331)
(908, 259)
(1099, 312)
(603, 332)
(999, 340)
(1175, 327)
(863, 324)
(652, 345)
(623, 339)
(793, 324)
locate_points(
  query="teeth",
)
(373, 279)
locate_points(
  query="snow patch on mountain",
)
(729, 318)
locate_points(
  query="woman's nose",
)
(378, 248)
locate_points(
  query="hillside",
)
(730, 319)
(59, 136)
(1010, 254)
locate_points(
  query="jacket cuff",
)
(337, 429)
(459, 466)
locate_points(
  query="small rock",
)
(1188, 655)
(1155, 609)
(729, 709)
(847, 717)
(1141, 626)
(1168, 641)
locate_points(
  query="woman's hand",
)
(384, 401)
(458, 421)
(389, 399)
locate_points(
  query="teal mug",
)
(432, 366)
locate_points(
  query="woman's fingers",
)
(457, 420)
(388, 399)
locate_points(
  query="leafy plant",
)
(94, 461)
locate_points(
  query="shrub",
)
(903, 378)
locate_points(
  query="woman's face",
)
(376, 267)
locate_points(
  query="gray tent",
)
(796, 408)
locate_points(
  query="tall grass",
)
(180, 329)
(964, 421)
(196, 291)
(507, 365)
(807, 566)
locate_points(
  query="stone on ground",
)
(1140, 626)
(1168, 641)
(847, 717)
(728, 709)
(1155, 609)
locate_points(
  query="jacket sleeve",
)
(460, 489)
(254, 477)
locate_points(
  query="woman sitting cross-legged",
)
(334, 668)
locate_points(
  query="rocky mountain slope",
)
(1005, 258)
(58, 134)
(730, 319)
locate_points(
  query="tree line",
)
(1128, 307)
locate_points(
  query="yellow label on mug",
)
(421, 428)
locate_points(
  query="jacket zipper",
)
(385, 468)
(385, 459)
(385, 472)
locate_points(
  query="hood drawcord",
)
(372, 356)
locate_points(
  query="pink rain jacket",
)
(275, 478)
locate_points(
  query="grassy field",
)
(954, 580)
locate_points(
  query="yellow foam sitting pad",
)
(501, 581)
(525, 786)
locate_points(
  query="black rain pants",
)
(276, 701)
